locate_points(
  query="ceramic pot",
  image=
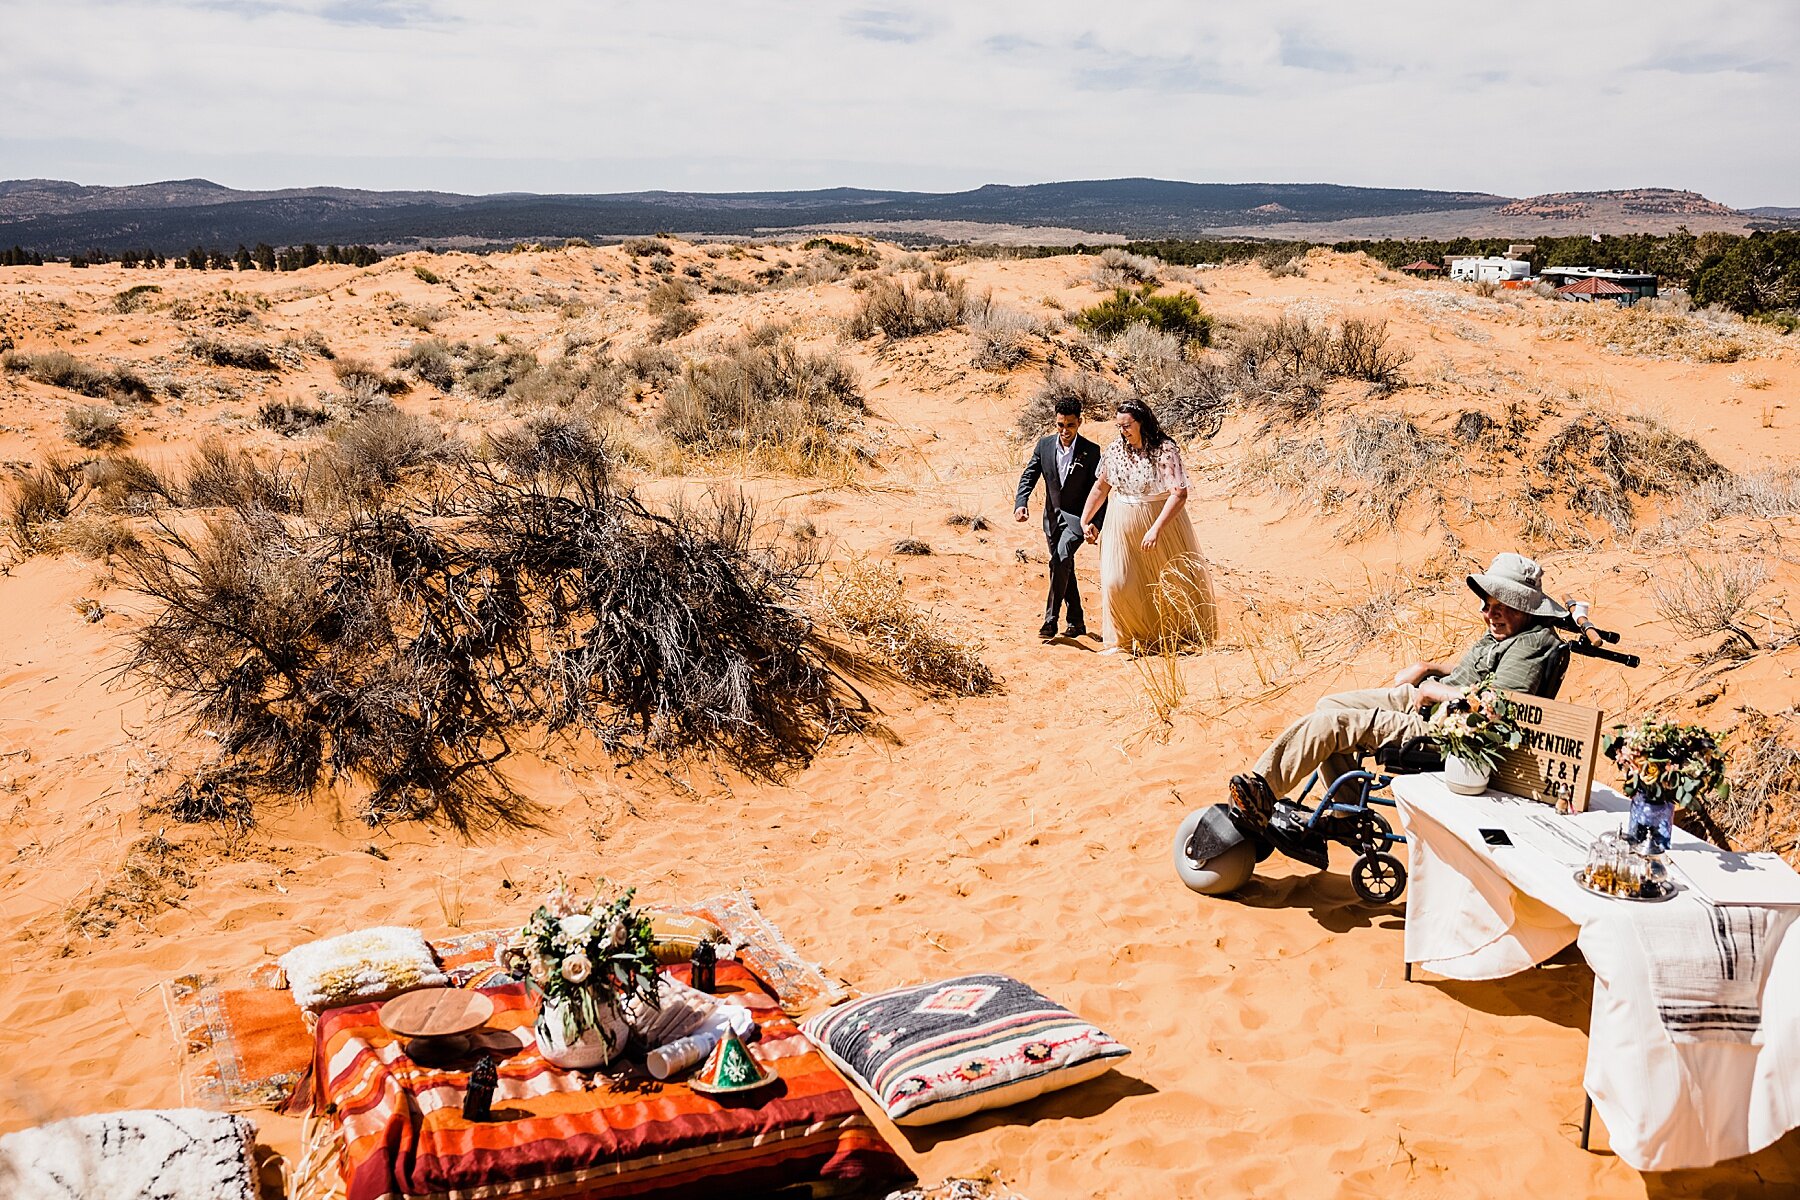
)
(591, 1045)
(1651, 825)
(1464, 777)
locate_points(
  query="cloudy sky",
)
(1517, 97)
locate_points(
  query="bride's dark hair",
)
(1149, 428)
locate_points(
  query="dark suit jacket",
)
(1060, 495)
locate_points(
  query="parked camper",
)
(1493, 270)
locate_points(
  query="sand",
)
(1278, 1050)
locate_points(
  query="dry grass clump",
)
(1761, 812)
(1598, 461)
(360, 377)
(134, 299)
(125, 483)
(1120, 268)
(95, 536)
(1646, 330)
(1293, 351)
(1705, 600)
(1001, 337)
(912, 546)
(150, 880)
(93, 428)
(593, 381)
(867, 600)
(249, 356)
(37, 503)
(892, 307)
(58, 368)
(409, 647)
(1374, 465)
(1774, 492)
(368, 457)
(291, 418)
(1098, 395)
(971, 521)
(771, 402)
(222, 476)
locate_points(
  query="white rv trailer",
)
(1494, 270)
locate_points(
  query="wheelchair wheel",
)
(1224, 872)
(1378, 878)
(1372, 834)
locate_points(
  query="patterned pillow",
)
(944, 1050)
(354, 968)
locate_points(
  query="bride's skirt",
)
(1155, 600)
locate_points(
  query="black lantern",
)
(702, 976)
(478, 1101)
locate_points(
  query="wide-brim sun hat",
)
(1517, 582)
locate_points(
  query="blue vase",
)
(1651, 824)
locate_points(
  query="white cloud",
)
(721, 94)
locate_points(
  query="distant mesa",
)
(1634, 201)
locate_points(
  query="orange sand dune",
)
(1278, 1051)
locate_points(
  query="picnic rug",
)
(248, 1047)
(556, 1133)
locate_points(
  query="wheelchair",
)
(1216, 849)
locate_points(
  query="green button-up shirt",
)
(1524, 662)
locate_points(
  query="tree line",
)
(261, 257)
(1753, 275)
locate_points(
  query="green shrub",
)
(1176, 313)
(427, 274)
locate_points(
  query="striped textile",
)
(559, 1134)
(1707, 975)
(940, 1051)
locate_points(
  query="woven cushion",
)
(355, 968)
(945, 1050)
(141, 1155)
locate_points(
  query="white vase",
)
(1464, 777)
(592, 1046)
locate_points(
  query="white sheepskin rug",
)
(356, 968)
(156, 1154)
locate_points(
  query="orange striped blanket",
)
(556, 1133)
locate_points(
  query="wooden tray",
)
(436, 1021)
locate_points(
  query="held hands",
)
(1090, 533)
(1019, 513)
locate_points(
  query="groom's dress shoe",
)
(1075, 631)
(1047, 629)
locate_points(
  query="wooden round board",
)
(436, 1012)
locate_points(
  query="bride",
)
(1153, 581)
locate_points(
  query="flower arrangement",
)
(1477, 728)
(583, 955)
(1667, 763)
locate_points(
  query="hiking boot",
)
(1250, 795)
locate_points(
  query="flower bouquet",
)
(1472, 733)
(595, 963)
(1663, 766)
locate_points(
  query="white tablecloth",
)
(1478, 912)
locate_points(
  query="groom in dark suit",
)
(1067, 462)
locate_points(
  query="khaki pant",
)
(1332, 735)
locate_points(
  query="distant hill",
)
(59, 217)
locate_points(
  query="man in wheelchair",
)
(1521, 650)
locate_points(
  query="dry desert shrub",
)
(431, 360)
(368, 457)
(95, 536)
(1773, 492)
(291, 418)
(1189, 394)
(220, 476)
(589, 382)
(126, 483)
(1001, 337)
(892, 307)
(149, 881)
(360, 377)
(58, 368)
(1098, 395)
(975, 522)
(93, 428)
(1709, 599)
(409, 649)
(1648, 330)
(771, 402)
(1597, 462)
(249, 356)
(912, 546)
(867, 600)
(1114, 268)
(135, 299)
(37, 503)
(1375, 464)
(1761, 811)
